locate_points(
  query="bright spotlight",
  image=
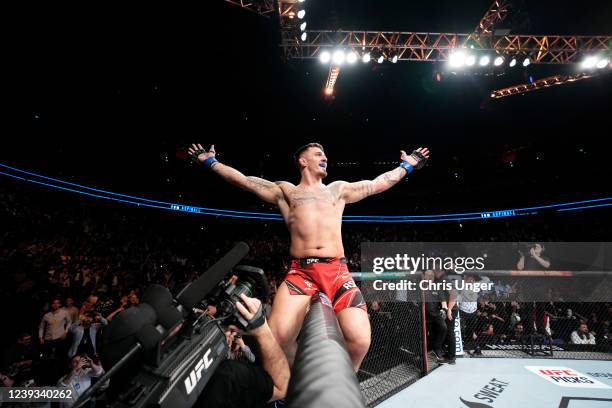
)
(351, 57)
(457, 59)
(526, 62)
(329, 91)
(325, 57)
(301, 1)
(366, 57)
(303, 26)
(512, 62)
(303, 36)
(590, 62)
(484, 61)
(498, 61)
(380, 59)
(394, 58)
(301, 14)
(470, 60)
(604, 62)
(339, 57)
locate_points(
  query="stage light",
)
(498, 61)
(303, 26)
(484, 61)
(366, 57)
(325, 57)
(351, 57)
(301, 1)
(380, 59)
(604, 62)
(457, 59)
(589, 62)
(329, 91)
(470, 60)
(526, 62)
(512, 62)
(393, 58)
(304, 36)
(339, 57)
(301, 14)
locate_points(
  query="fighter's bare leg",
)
(286, 318)
(355, 326)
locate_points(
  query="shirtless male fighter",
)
(313, 214)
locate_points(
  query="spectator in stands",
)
(84, 334)
(53, 328)
(89, 304)
(21, 356)
(238, 350)
(82, 369)
(123, 304)
(6, 381)
(133, 299)
(582, 335)
(515, 316)
(72, 310)
(517, 333)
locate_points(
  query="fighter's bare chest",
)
(323, 199)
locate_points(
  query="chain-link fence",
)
(396, 357)
(503, 324)
(556, 314)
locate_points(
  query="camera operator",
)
(241, 384)
(82, 370)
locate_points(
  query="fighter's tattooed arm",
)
(353, 192)
(266, 190)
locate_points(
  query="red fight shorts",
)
(308, 276)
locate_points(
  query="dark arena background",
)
(99, 200)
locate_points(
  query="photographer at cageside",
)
(165, 351)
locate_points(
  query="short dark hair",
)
(298, 152)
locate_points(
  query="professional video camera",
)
(164, 351)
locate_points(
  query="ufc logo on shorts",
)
(348, 285)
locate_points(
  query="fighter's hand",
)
(412, 160)
(198, 152)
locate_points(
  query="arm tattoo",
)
(258, 184)
(364, 188)
(388, 179)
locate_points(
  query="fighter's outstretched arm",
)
(266, 190)
(353, 192)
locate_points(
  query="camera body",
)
(249, 281)
(175, 374)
